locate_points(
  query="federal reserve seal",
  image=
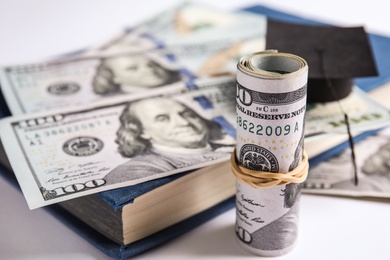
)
(63, 88)
(83, 146)
(258, 158)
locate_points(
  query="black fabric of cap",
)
(334, 54)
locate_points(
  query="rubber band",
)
(260, 179)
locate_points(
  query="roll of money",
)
(271, 105)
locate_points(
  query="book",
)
(116, 202)
(127, 216)
(128, 221)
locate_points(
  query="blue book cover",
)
(119, 197)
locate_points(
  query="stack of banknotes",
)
(157, 99)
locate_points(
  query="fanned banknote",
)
(187, 19)
(326, 119)
(335, 175)
(79, 80)
(70, 153)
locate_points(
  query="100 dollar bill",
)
(325, 120)
(80, 80)
(334, 176)
(62, 155)
(182, 22)
(271, 106)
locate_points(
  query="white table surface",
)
(330, 227)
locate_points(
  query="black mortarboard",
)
(335, 55)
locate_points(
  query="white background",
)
(330, 227)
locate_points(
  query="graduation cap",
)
(335, 55)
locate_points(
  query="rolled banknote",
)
(269, 161)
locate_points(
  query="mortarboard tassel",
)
(321, 52)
